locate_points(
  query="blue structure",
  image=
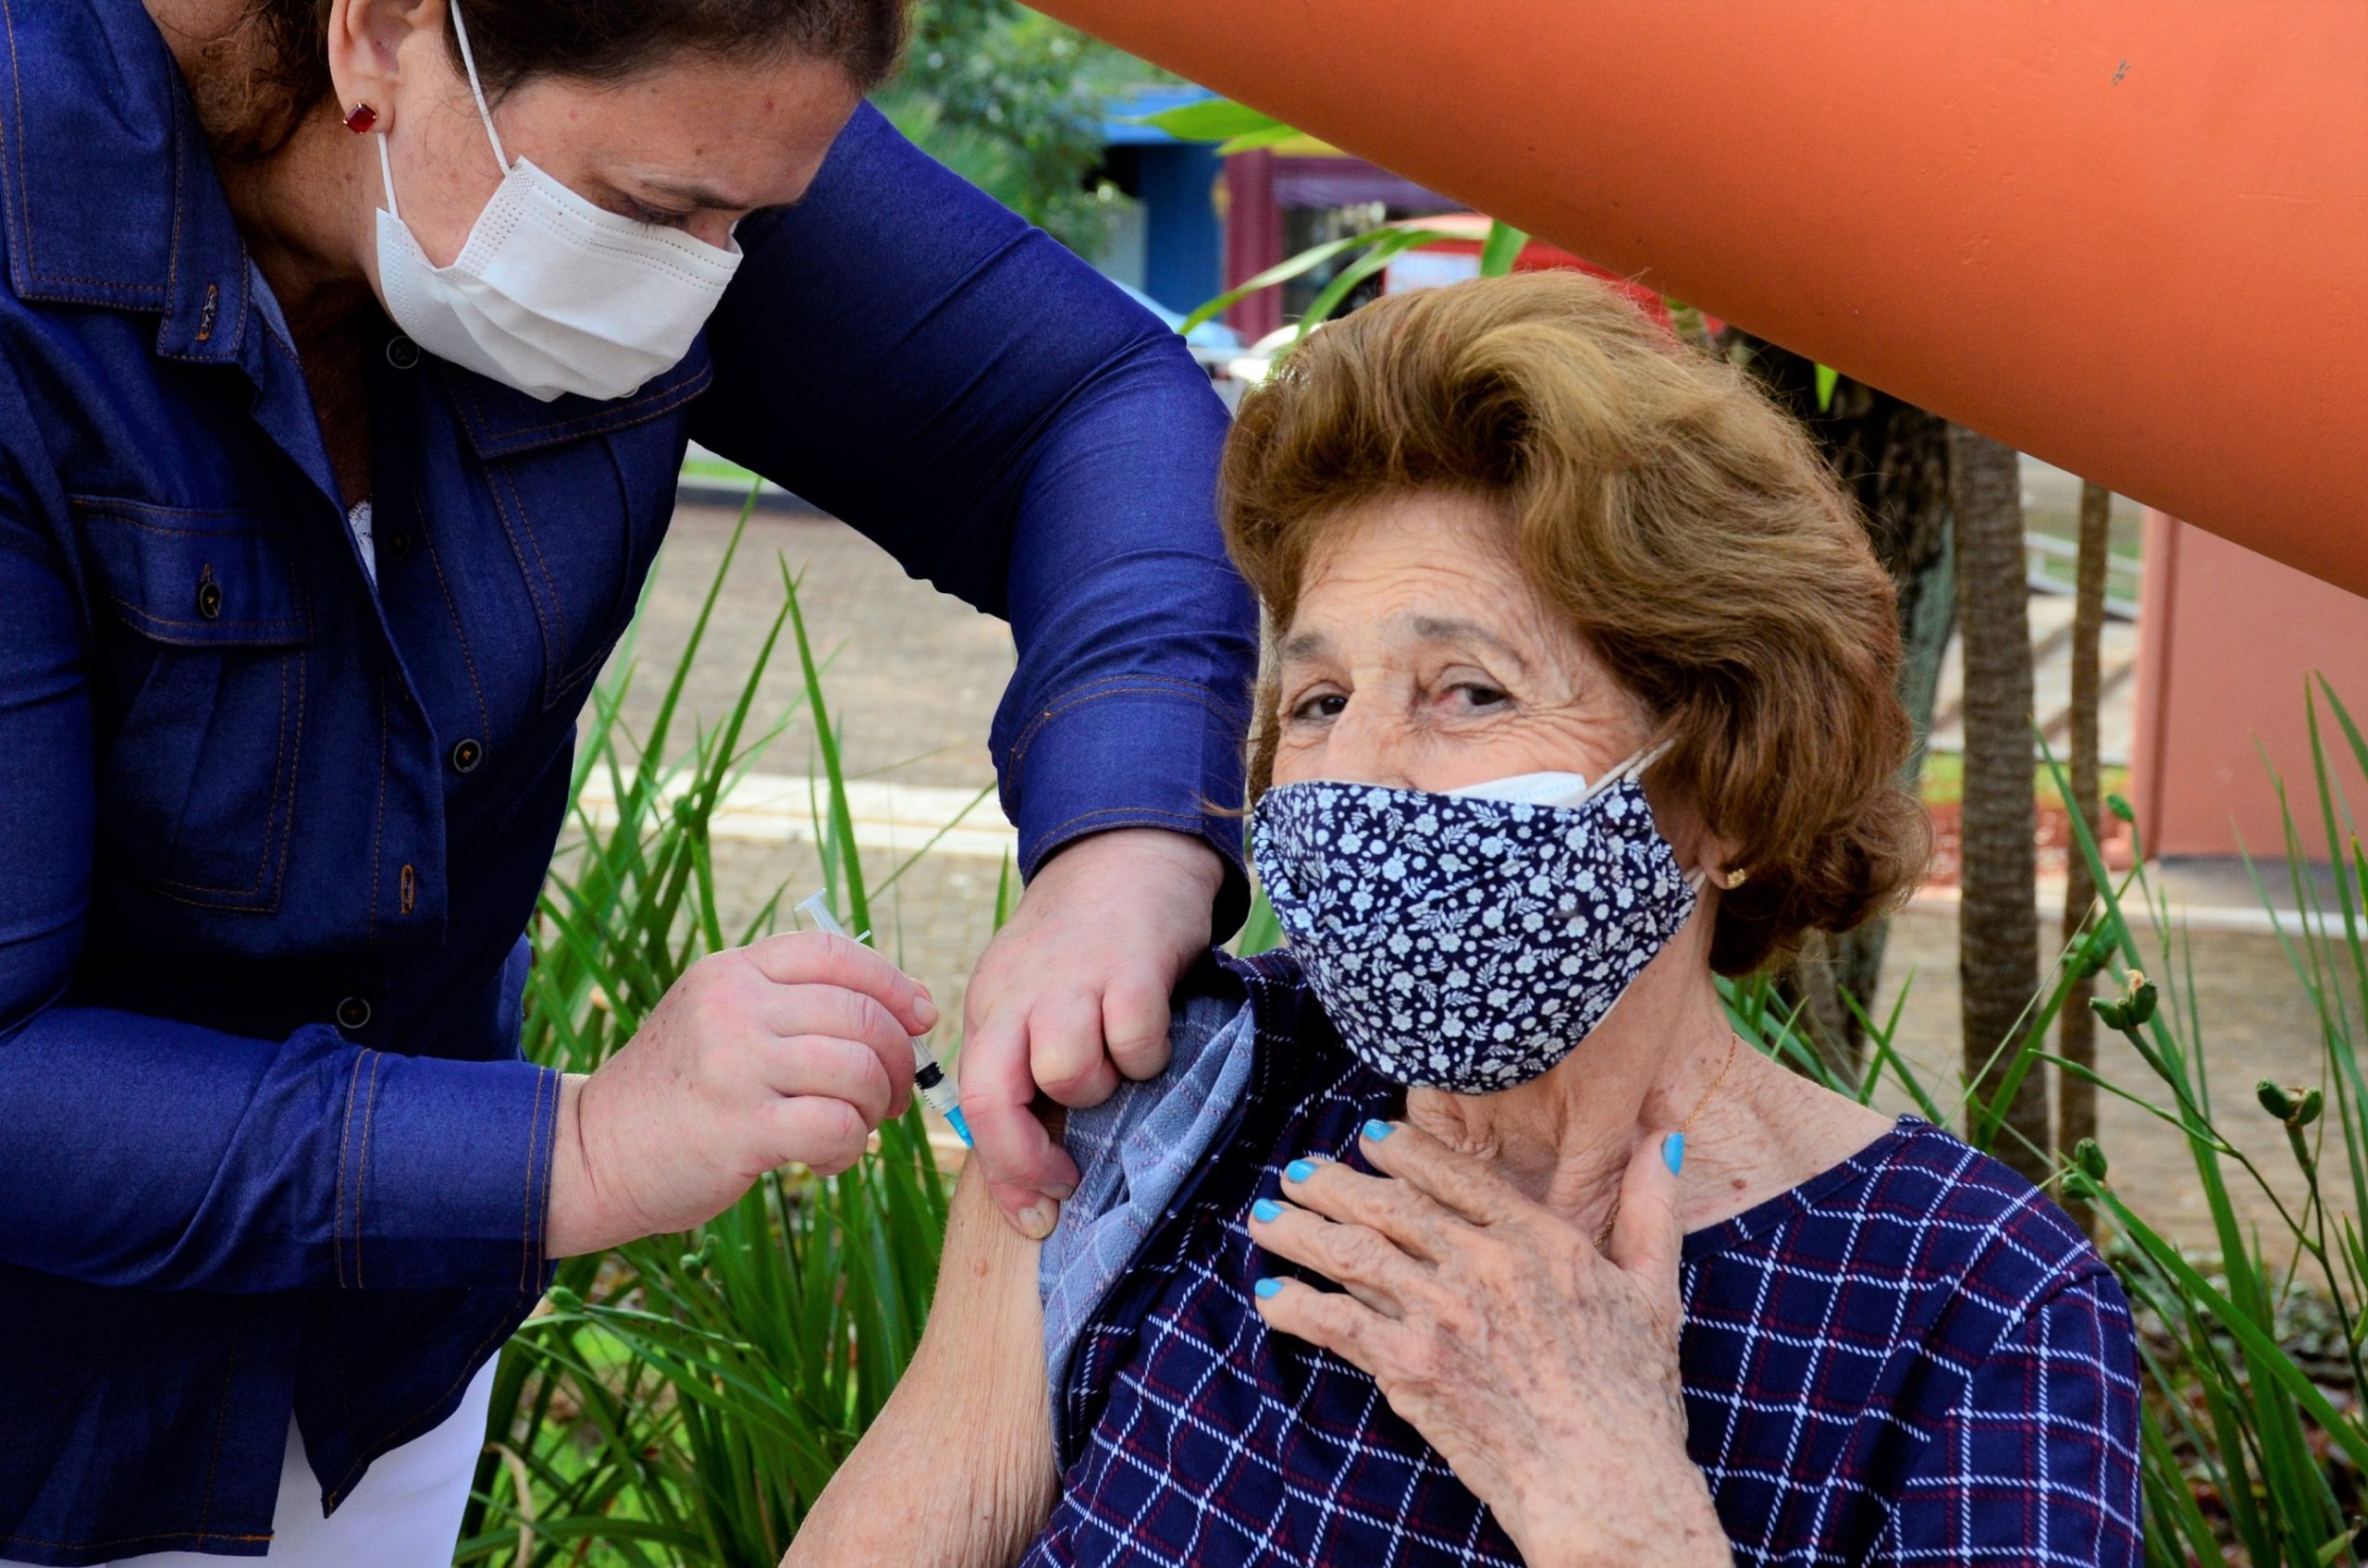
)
(1183, 241)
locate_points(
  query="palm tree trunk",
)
(1998, 938)
(1894, 457)
(2076, 1108)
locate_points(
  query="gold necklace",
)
(1733, 1040)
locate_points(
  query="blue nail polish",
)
(1267, 1287)
(1674, 1151)
(1298, 1171)
(1266, 1211)
(1376, 1131)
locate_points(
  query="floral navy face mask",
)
(1470, 940)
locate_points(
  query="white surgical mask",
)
(550, 294)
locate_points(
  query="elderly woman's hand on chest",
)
(1544, 1371)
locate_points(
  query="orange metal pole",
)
(2128, 236)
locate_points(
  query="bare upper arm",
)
(957, 1472)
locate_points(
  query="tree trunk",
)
(2076, 1098)
(1998, 951)
(1894, 457)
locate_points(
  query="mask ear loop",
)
(476, 90)
(1634, 769)
(387, 178)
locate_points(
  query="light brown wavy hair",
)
(1670, 514)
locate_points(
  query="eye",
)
(657, 218)
(1479, 694)
(1318, 706)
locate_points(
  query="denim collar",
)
(107, 189)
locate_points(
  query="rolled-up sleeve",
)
(138, 1150)
(906, 354)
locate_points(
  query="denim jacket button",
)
(209, 599)
(399, 543)
(466, 756)
(401, 353)
(353, 1012)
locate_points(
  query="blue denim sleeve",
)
(906, 354)
(142, 1152)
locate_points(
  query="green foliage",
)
(2255, 1443)
(1237, 127)
(684, 1399)
(1012, 101)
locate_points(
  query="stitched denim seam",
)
(357, 1462)
(379, 825)
(344, 1142)
(1110, 686)
(1085, 696)
(138, 615)
(135, 1540)
(526, 1197)
(213, 1464)
(495, 484)
(460, 632)
(278, 777)
(362, 1162)
(582, 424)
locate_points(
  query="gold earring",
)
(1735, 878)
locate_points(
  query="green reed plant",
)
(2254, 1442)
(684, 1399)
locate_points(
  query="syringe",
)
(927, 1076)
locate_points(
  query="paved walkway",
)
(913, 680)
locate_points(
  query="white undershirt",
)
(358, 519)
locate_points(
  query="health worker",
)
(349, 350)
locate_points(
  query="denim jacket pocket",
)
(199, 631)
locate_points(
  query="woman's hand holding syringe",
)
(928, 1076)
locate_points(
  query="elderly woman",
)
(1466, 1229)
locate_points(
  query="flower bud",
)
(2308, 1110)
(2137, 1000)
(2274, 1100)
(2113, 1015)
(562, 1299)
(2119, 806)
(2089, 1159)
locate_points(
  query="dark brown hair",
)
(596, 41)
(1663, 506)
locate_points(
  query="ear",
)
(370, 41)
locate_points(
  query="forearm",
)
(143, 1152)
(957, 1472)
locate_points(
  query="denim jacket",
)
(269, 833)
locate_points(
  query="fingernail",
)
(1298, 1171)
(1036, 1221)
(1266, 1211)
(1376, 1131)
(1674, 1151)
(1268, 1288)
(925, 1011)
(1060, 1192)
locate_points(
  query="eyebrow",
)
(697, 195)
(1433, 628)
(1302, 647)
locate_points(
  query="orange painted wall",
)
(2227, 639)
(2127, 236)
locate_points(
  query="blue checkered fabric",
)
(1913, 1357)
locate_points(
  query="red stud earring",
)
(360, 119)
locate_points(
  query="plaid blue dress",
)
(1913, 1357)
